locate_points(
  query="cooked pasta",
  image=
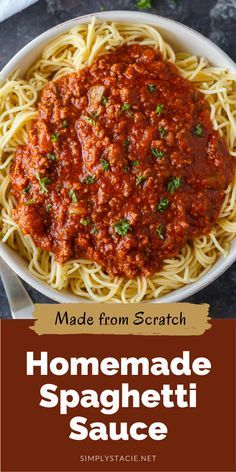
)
(69, 53)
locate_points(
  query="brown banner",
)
(169, 319)
(37, 439)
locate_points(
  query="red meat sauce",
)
(122, 165)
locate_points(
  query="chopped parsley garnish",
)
(162, 205)
(126, 142)
(85, 221)
(48, 207)
(125, 107)
(27, 189)
(152, 88)
(162, 132)
(54, 137)
(173, 184)
(64, 124)
(104, 100)
(142, 4)
(95, 115)
(30, 202)
(43, 182)
(135, 163)
(140, 179)
(90, 121)
(73, 195)
(105, 165)
(51, 156)
(157, 153)
(90, 179)
(159, 109)
(198, 130)
(122, 227)
(159, 231)
(126, 169)
(94, 230)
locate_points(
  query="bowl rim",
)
(10, 256)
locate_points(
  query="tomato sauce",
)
(122, 165)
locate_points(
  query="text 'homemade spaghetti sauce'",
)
(122, 165)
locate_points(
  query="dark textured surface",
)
(215, 19)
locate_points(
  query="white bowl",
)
(180, 37)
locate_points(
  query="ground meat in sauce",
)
(122, 166)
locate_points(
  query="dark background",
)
(215, 19)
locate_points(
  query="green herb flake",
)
(162, 132)
(125, 107)
(126, 142)
(126, 168)
(159, 109)
(173, 185)
(143, 4)
(64, 124)
(152, 88)
(85, 221)
(135, 163)
(48, 207)
(27, 189)
(159, 231)
(94, 230)
(51, 156)
(30, 202)
(122, 227)
(73, 195)
(104, 100)
(54, 137)
(140, 179)
(157, 153)
(90, 121)
(95, 115)
(198, 130)
(90, 179)
(162, 205)
(43, 182)
(105, 165)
